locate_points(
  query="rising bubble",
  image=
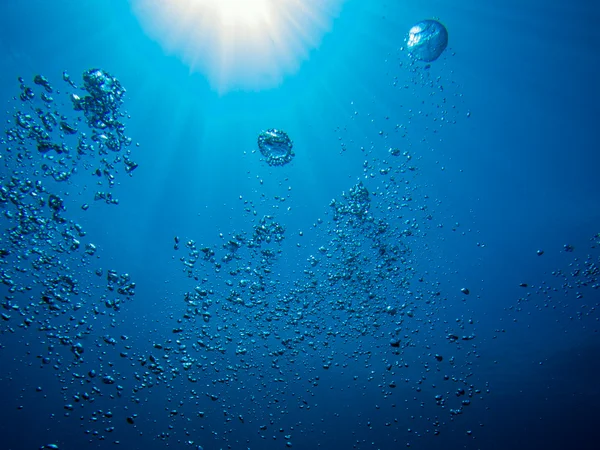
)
(427, 40)
(276, 147)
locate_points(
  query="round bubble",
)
(276, 147)
(427, 40)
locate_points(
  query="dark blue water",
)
(227, 303)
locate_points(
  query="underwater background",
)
(424, 271)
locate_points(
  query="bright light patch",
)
(238, 44)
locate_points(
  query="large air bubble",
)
(427, 40)
(276, 147)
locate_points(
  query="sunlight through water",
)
(239, 44)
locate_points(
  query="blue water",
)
(287, 341)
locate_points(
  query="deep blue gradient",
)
(502, 129)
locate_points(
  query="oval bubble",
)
(276, 147)
(427, 40)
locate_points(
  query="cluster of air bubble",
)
(247, 259)
(254, 320)
(241, 317)
(579, 283)
(267, 230)
(101, 108)
(244, 317)
(53, 150)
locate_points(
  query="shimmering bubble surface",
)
(427, 40)
(276, 147)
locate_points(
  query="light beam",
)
(238, 44)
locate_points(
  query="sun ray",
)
(239, 44)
